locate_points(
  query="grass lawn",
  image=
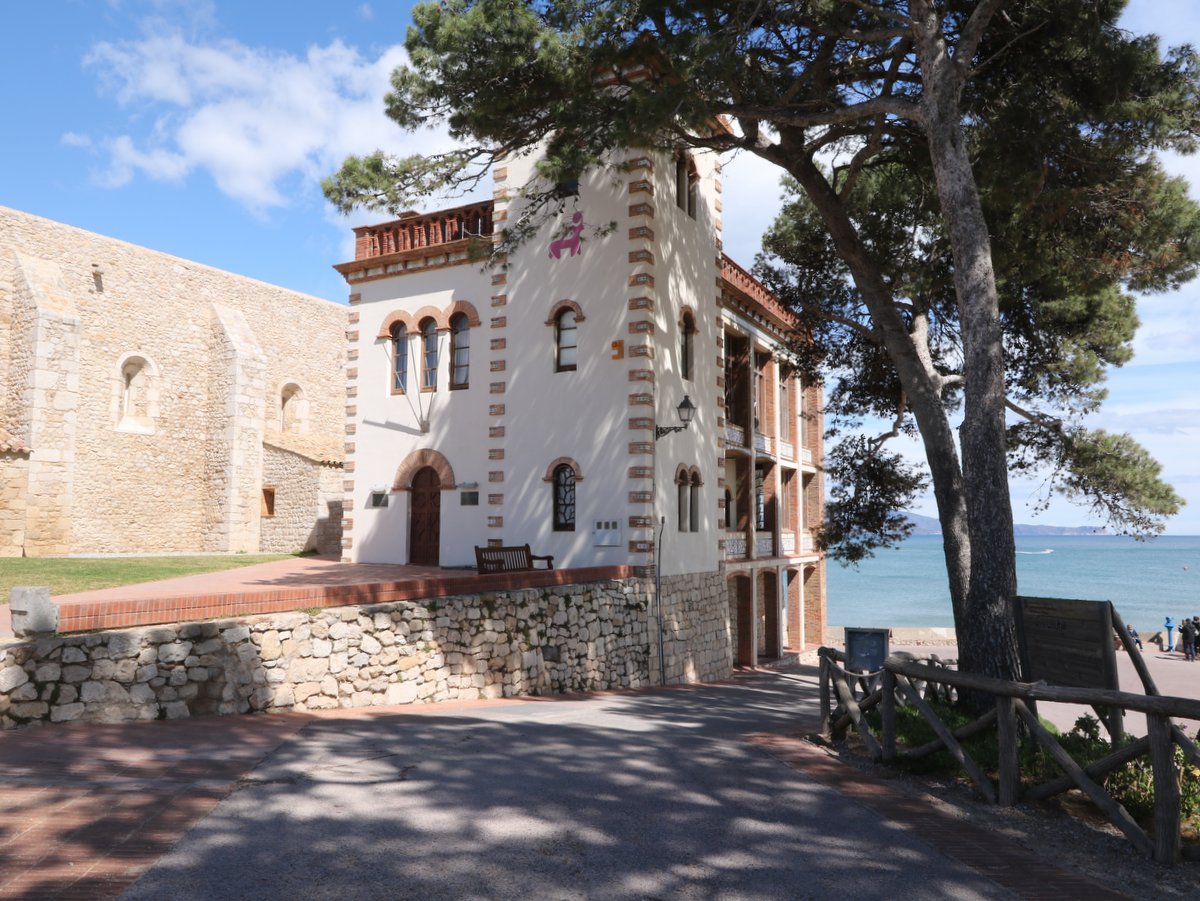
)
(66, 575)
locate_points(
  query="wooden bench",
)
(507, 559)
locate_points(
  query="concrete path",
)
(699, 792)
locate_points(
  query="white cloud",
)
(258, 121)
(366, 13)
(750, 202)
(74, 139)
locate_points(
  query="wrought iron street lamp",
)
(686, 411)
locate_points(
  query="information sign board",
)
(1067, 642)
(866, 649)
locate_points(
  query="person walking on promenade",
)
(1187, 633)
(1170, 627)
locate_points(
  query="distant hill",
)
(928, 525)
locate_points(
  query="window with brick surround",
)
(564, 498)
(566, 341)
(694, 502)
(429, 355)
(399, 342)
(687, 346)
(687, 183)
(785, 407)
(460, 351)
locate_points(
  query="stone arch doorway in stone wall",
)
(424, 474)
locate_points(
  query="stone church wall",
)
(308, 504)
(163, 455)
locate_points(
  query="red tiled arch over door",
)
(418, 460)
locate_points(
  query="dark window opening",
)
(566, 341)
(460, 352)
(564, 499)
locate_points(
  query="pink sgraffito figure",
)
(571, 241)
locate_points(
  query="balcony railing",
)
(764, 545)
(788, 542)
(806, 543)
(787, 450)
(762, 443)
(735, 548)
(806, 455)
(415, 231)
(735, 435)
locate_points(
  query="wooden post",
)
(1135, 655)
(888, 712)
(846, 697)
(1166, 789)
(1116, 814)
(982, 782)
(1010, 755)
(824, 695)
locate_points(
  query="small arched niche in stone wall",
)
(293, 409)
(136, 387)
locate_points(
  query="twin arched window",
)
(460, 353)
(687, 486)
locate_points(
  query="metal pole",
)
(662, 660)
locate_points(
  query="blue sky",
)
(203, 130)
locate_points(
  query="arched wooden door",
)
(425, 518)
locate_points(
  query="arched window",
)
(565, 341)
(694, 503)
(399, 339)
(292, 408)
(687, 346)
(460, 351)
(687, 183)
(564, 498)
(681, 491)
(133, 394)
(429, 355)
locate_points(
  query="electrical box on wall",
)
(606, 533)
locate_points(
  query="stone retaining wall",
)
(521, 642)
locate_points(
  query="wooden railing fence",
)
(920, 681)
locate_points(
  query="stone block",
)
(64, 713)
(32, 611)
(401, 693)
(11, 677)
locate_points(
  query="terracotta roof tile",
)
(11, 445)
(318, 448)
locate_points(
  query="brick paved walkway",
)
(999, 858)
(84, 810)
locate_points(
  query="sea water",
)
(1146, 580)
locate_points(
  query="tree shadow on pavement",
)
(635, 795)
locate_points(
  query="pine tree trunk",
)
(986, 629)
